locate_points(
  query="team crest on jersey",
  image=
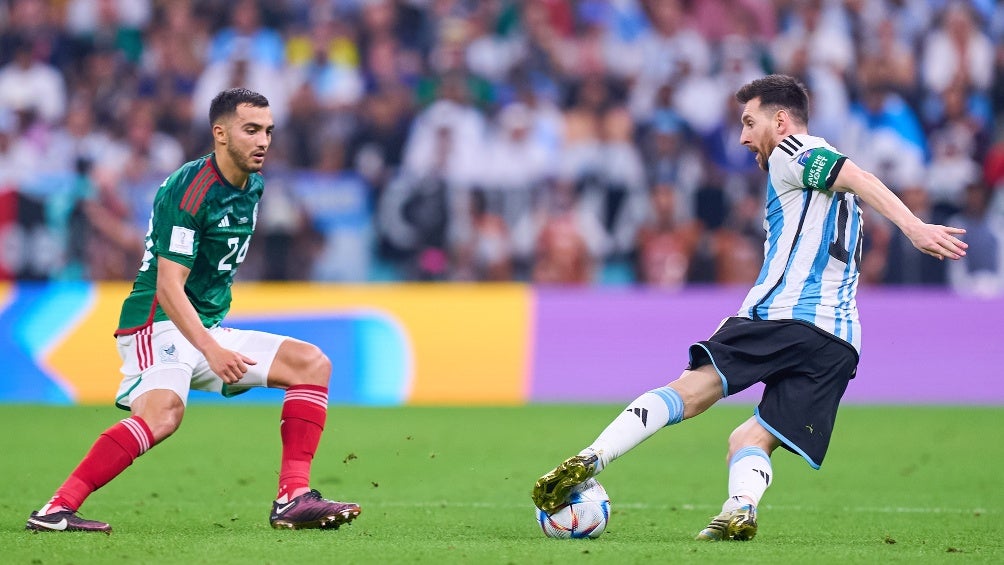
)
(169, 354)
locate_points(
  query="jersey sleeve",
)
(817, 168)
(176, 231)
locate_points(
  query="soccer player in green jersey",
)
(170, 338)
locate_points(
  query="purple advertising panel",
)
(610, 345)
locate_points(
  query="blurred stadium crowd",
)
(552, 141)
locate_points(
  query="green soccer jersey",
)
(204, 223)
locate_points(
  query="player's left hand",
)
(938, 241)
(229, 365)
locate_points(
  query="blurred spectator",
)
(418, 213)
(717, 19)
(487, 253)
(544, 26)
(904, 265)
(86, 17)
(997, 89)
(9, 174)
(493, 50)
(393, 39)
(910, 18)
(376, 146)
(41, 22)
(335, 206)
(877, 235)
(666, 244)
(737, 245)
(726, 165)
(671, 48)
(958, 108)
(815, 31)
(981, 272)
(957, 50)
(111, 244)
(326, 86)
(170, 68)
(951, 171)
(739, 63)
(883, 128)
(116, 23)
(561, 253)
(619, 196)
(465, 132)
(582, 151)
(729, 248)
(241, 69)
(888, 56)
(246, 36)
(584, 52)
(671, 158)
(109, 82)
(81, 145)
(673, 52)
(150, 151)
(547, 123)
(516, 166)
(31, 87)
(290, 244)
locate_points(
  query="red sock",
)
(114, 450)
(303, 414)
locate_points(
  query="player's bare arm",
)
(228, 365)
(934, 240)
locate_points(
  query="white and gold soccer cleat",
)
(551, 491)
(738, 525)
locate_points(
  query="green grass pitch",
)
(451, 485)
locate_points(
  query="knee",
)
(164, 421)
(318, 366)
(698, 389)
(737, 440)
(299, 363)
(751, 434)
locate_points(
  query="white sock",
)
(750, 473)
(648, 414)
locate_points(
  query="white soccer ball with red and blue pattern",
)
(585, 515)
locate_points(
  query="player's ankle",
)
(51, 508)
(286, 494)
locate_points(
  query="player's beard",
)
(244, 160)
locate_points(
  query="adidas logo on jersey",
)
(225, 222)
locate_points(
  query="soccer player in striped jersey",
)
(171, 339)
(797, 330)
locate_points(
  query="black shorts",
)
(805, 372)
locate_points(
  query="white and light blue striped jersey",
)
(813, 245)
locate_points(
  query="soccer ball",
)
(585, 515)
